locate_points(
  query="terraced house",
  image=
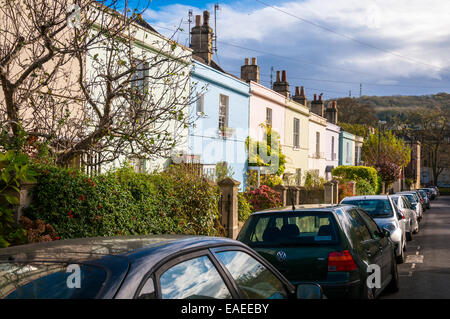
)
(221, 110)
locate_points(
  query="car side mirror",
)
(309, 291)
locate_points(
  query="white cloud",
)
(416, 29)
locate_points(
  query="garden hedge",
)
(123, 202)
(358, 173)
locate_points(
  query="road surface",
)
(426, 272)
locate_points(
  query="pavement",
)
(426, 271)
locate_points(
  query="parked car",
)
(145, 267)
(412, 223)
(331, 246)
(429, 193)
(436, 190)
(433, 192)
(414, 201)
(387, 216)
(426, 199)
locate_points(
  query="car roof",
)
(366, 197)
(85, 249)
(302, 208)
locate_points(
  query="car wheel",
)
(394, 285)
(409, 236)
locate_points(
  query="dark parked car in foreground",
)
(143, 267)
(331, 245)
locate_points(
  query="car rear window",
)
(303, 228)
(376, 208)
(411, 198)
(50, 280)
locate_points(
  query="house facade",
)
(297, 140)
(346, 148)
(317, 139)
(221, 113)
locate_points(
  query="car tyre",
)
(409, 236)
(401, 257)
(394, 285)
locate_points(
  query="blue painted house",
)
(346, 148)
(221, 113)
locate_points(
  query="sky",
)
(328, 46)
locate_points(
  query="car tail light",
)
(403, 215)
(341, 261)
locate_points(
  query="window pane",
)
(200, 103)
(377, 208)
(193, 279)
(359, 227)
(50, 281)
(253, 279)
(270, 230)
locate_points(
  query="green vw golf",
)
(339, 247)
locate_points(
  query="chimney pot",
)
(206, 18)
(246, 61)
(283, 76)
(297, 91)
(302, 91)
(253, 61)
(278, 76)
(198, 20)
(315, 97)
(320, 98)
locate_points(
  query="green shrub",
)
(124, 202)
(357, 173)
(14, 168)
(363, 187)
(245, 209)
(313, 180)
(263, 197)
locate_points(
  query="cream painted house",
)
(297, 141)
(148, 45)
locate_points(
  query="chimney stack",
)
(250, 72)
(299, 96)
(202, 37)
(331, 113)
(282, 86)
(317, 106)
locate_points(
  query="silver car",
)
(412, 222)
(387, 216)
(415, 202)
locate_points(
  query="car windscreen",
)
(376, 208)
(50, 280)
(411, 198)
(304, 228)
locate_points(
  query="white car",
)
(414, 202)
(387, 216)
(412, 220)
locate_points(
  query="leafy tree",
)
(430, 127)
(362, 130)
(267, 152)
(387, 153)
(83, 86)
